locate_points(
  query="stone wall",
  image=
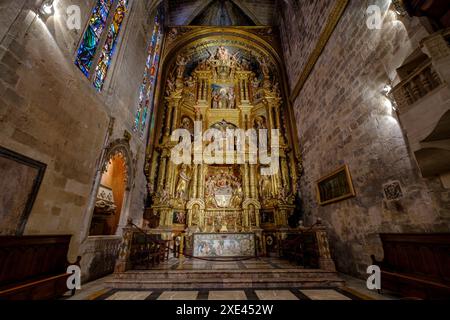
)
(301, 23)
(343, 118)
(50, 112)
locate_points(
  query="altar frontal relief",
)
(224, 245)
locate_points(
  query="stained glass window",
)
(91, 38)
(147, 88)
(110, 44)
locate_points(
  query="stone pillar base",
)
(327, 264)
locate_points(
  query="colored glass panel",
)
(110, 44)
(147, 88)
(91, 38)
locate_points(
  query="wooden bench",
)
(33, 267)
(416, 265)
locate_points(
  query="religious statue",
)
(183, 182)
(264, 187)
(231, 99)
(264, 64)
(215, 100)
(170, 87)
(260, 123)
(237, 195)
(244, 65)
(223, 101)
(181, 65)
(255, 88)
(189, 88)
(187, 124)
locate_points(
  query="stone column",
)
(253, 192)
(201, 182)
(162, 173)
(285, 172)
(246, 181)
(194, 187)
(123, 262)
(168, 120)
(325, 261)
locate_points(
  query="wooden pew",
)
(416, 265)
(33, 267)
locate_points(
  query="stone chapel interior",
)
(357, 93)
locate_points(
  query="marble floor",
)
(229, 295)
(354, 289)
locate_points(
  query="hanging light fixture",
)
(47, 8)
(399, 7)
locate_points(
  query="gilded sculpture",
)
(228, 85)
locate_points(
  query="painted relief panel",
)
(224, 245)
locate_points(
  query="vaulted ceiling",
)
(222, 12)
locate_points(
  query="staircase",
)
(225, 279)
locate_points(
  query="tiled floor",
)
(242, 295)
(355, 289)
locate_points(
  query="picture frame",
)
(21, 179)
(334, 187)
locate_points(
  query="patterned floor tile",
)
(227, 295)
(130, 295)
(325, 294)
(275, 295)
(178, 295)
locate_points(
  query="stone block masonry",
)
(50, 112)
(343, 118)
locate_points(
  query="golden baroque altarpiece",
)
(225, 78)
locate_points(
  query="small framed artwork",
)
(20, 180)
(179, 217)
(336, 186)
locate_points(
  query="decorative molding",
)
(332, 22)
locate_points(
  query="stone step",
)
(226, 279)
(226, 283)
(223, 274)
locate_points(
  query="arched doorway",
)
(110, 198)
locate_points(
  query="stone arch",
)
(199, 202)
(122, 147)
(249, 202)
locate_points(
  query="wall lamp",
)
(47, 8)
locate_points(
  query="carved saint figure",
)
(260, 123)
(183, 182)
(264, 187)
(215, 100)
(170, 87)
(181, 65)
(255, 87)
(231, 98)
(264, 64)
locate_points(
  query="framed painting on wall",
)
(20, 180)
(336, 186)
